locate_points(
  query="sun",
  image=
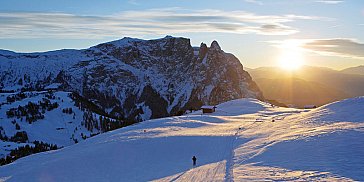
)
(291, 60)
(291, 57)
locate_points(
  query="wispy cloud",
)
(136, 23)
(133, 2)
(254, 1)
(335, 26)
(337, 47)
(341, 47)
(330, 1)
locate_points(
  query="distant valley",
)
(308, 85)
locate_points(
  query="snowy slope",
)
(244, 139)
(339, 111)
(20, 70)
(45, 129)
(56, 127)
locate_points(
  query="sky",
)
(326, 33)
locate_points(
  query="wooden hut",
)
(310, 106)
(208, 109)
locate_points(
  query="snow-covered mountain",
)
(132, 78)
(244, 140)
(47, 120)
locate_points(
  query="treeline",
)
(67, 110)
(16, 97)
(32, 111)
(102, 123)
(19, 137)
(23, 94)
(27, 150)
(86, 105)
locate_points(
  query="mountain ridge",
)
(133, 78)
(314, 82)
(359, 70)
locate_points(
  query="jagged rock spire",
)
(203, 50)
(215, 45)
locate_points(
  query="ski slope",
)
(243, 140)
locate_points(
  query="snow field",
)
(243, 140)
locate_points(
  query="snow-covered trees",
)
(32, 111)
(27, 150)
(67, 110)
(20, 136)
(17, 127)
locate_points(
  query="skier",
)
(194, 160)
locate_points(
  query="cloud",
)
(336, 47)
(254, 1)
(340, 47)
(268, 29)
(143, 22)
(330, 1)
(133, 2)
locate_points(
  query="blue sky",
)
(327, 32)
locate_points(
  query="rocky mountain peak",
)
(203, 47)
(203, 50)
(215, 45)
(136, 79)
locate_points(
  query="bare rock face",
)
(223, 78)
(135, 79)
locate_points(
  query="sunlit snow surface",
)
(305, 145)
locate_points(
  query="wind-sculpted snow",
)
(345, 110)
(341, 153)
(244, 139)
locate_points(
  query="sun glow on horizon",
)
(291, 57)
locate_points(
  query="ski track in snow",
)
(244, 140)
